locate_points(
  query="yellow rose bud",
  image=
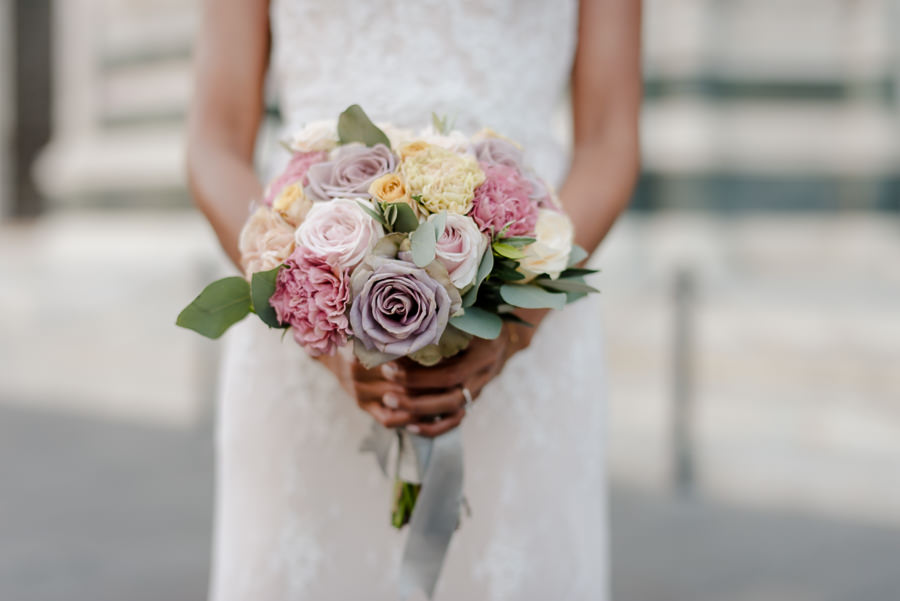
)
(389, 188)
(292, 204)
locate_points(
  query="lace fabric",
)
(301, 514)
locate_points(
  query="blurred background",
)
(751, 298)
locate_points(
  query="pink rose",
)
(503, 202)
(339, 231)
(294, 172)
(312, 297)
(460, 249)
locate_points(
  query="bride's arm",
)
(231, 57)
(606, 98)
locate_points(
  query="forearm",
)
(599, 185)
(223, 185)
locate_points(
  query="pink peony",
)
(503, 202)
(295, 171)
(312, 296)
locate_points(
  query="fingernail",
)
(390, 400)
(414, 429)
(389, 370)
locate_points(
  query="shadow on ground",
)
(94, 510)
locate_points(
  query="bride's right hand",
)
(429, 414)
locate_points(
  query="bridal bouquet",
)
(400, 244)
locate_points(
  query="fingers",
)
(447, 374)
(433, 429)
(389, 418)
(447, 401)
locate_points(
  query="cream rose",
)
(315, 136)
(339, 231)
(443, 179)
(549, 253)
(292, 204)
(453, 140)
(460, 249)
(265, 242)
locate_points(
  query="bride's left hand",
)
(439, 389)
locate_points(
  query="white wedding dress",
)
(301, 514)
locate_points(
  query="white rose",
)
(454, 140)
(315, 136)
(340, 231)
(549, 253)
(398, 136)
(460, 248)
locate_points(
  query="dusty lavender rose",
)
(497, 151)
(311, 295)
(398, 308)
(350, 174)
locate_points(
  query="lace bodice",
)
(500, 63)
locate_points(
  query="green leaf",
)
(507, 250)
(570, 285)
(484, 268)
(262, 287)
(355, 126)
(376, 215)
(529, 296)
(405, 220)
(572, 272)
(478, 322)
(221, 305)
(577, 255)
(519, 241)
(507, 271)
(422, 244)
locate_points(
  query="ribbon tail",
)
(378, 442)
(436, 515)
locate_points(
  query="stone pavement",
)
(100, 510)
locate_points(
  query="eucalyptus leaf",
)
(529, 296)
(570, 285)
(440, 222)
(478, 322)
(405, 220)
(221, 305)
(507, 250)
(577, 255)
(262, 287)
(355, 126)
(484, 269)
(423, 244)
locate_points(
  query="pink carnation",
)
(312, 297)
(295, 171)
(504, 199)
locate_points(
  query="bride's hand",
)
(439, 389)
(429, 413)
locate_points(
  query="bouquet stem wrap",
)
(436, 516)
